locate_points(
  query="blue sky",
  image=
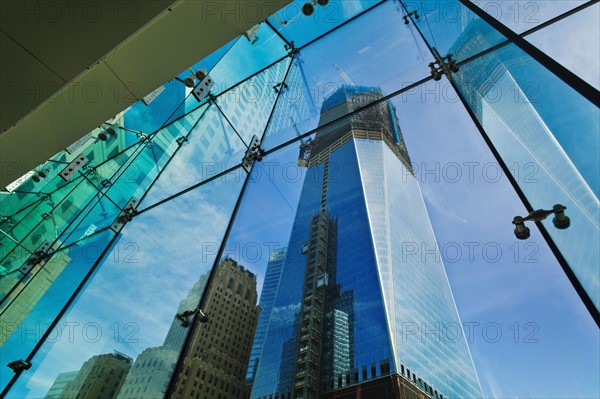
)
(549, 345)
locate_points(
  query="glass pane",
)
(145, 263)
(245, 58)
(104, 147)
(522, 15)
(35, 299)
(211, 146)
(12, 203)
(295, 26)
(385, 54)
(148, 118)
(209, 62)
(539, 123)
(52, 216)
(517, 307)
(575, 43)
(442, 22)
(249, 105)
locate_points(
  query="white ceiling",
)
(49, 51)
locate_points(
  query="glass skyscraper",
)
(267, 297)
(363, 293)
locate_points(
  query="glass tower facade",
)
(267, 297)
(353, 291)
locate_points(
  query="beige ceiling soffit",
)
(176, 39)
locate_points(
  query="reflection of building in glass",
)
(59, 384)
(267, 296)
(100, 377)
(152, 370)
(177, 333)
(499, 89)
(44, 221)
(217, 358)
(24, 292)
(150, 374)
(349, 287)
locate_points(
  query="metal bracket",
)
(560, 220)
(291, 48)
(254, 153)
(202, 90)
(70, 171)
(442, 66)
(19, 365)
(6, 219)
(40, 255)
(184, 317)
(280, 87)
(125, 216)
(405, 18)
(142, 136)
(251, 33)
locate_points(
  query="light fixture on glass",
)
(560, 220)
(110, 132)
(199, 75)
(309, 8)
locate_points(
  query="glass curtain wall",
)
(366, 247)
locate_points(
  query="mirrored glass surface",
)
(303, 21)
(205, 145)
(256, 50)
(140, 340)
(385, 54)
(516, 306)
(575, 43)
(522, 15)
(515, 99)
(35, 299)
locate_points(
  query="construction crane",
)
(344, 75)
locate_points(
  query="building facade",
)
(353, 292)
(216, 362)
(59, 384)
(100, 377)
(267, 296)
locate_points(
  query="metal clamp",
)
(251, 34)
(125, 216)
(203, 89)
(184, 317)
(560, 220)
(254, 153)
(280, 87)
(19, 365)
(291, 48)
(41, 254)
(70, 171)
(405, 18)
(442, 66)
